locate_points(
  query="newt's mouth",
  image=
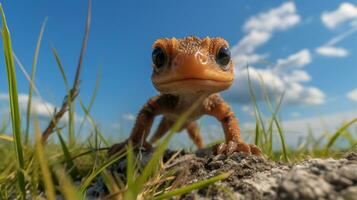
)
(181, 80)
(192, 85)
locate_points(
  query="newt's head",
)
(191, 65)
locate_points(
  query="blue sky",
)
(310, 45)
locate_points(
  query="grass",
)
(69, 167)
(14, 104)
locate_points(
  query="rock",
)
(300, 184)
(254, 177)
(350, 193)
(352, 156)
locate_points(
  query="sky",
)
(304, 49)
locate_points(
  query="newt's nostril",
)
(201, 58)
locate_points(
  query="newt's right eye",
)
(159, 57)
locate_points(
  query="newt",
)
(185, 71)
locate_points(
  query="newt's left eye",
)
(223, 56)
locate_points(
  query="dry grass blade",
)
(67, 188)
(74, 91)
(46, 173)
(6, 138)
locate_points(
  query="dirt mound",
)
(258, 178)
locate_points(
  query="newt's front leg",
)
(155, 106)
(217, 107)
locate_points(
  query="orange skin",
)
(190, 73)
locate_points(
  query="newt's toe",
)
(233, 146)
(255, 150)
(242, 147)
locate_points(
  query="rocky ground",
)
(258, 178)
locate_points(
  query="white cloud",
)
(295, 114)
(345, 12)
(244, 59)
(279, 18)
(354, 23)
(296, 93)
(282, 78)
(329, 49)
(332, 51)
(318, 124)
(239, 91)
(297, 76)
(275, 85)
(260, 28)
(297, 128)
(38, 107)
(42, 109)
(352, 95)
(129, 117)
(298, 59)
(251, 41)
(248, 110)
(286, 76)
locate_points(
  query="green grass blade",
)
(67, 157)
(91, 102)
(14, 105)
(257, 133)
(68, 91)
(130, 170)
(282, 140)
(338, 134)
(257, 112)
(349, 137)
(60, 67)
(110, 182)
(33, 74)
(86, 182)
(194, 186)
(71, 122)
(270, 129)
(130, 165)
(91, 120)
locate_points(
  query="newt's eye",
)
(159, 57)
(223, 56)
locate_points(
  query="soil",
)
(254, 177)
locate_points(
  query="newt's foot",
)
(233, 146)
(123, 145)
